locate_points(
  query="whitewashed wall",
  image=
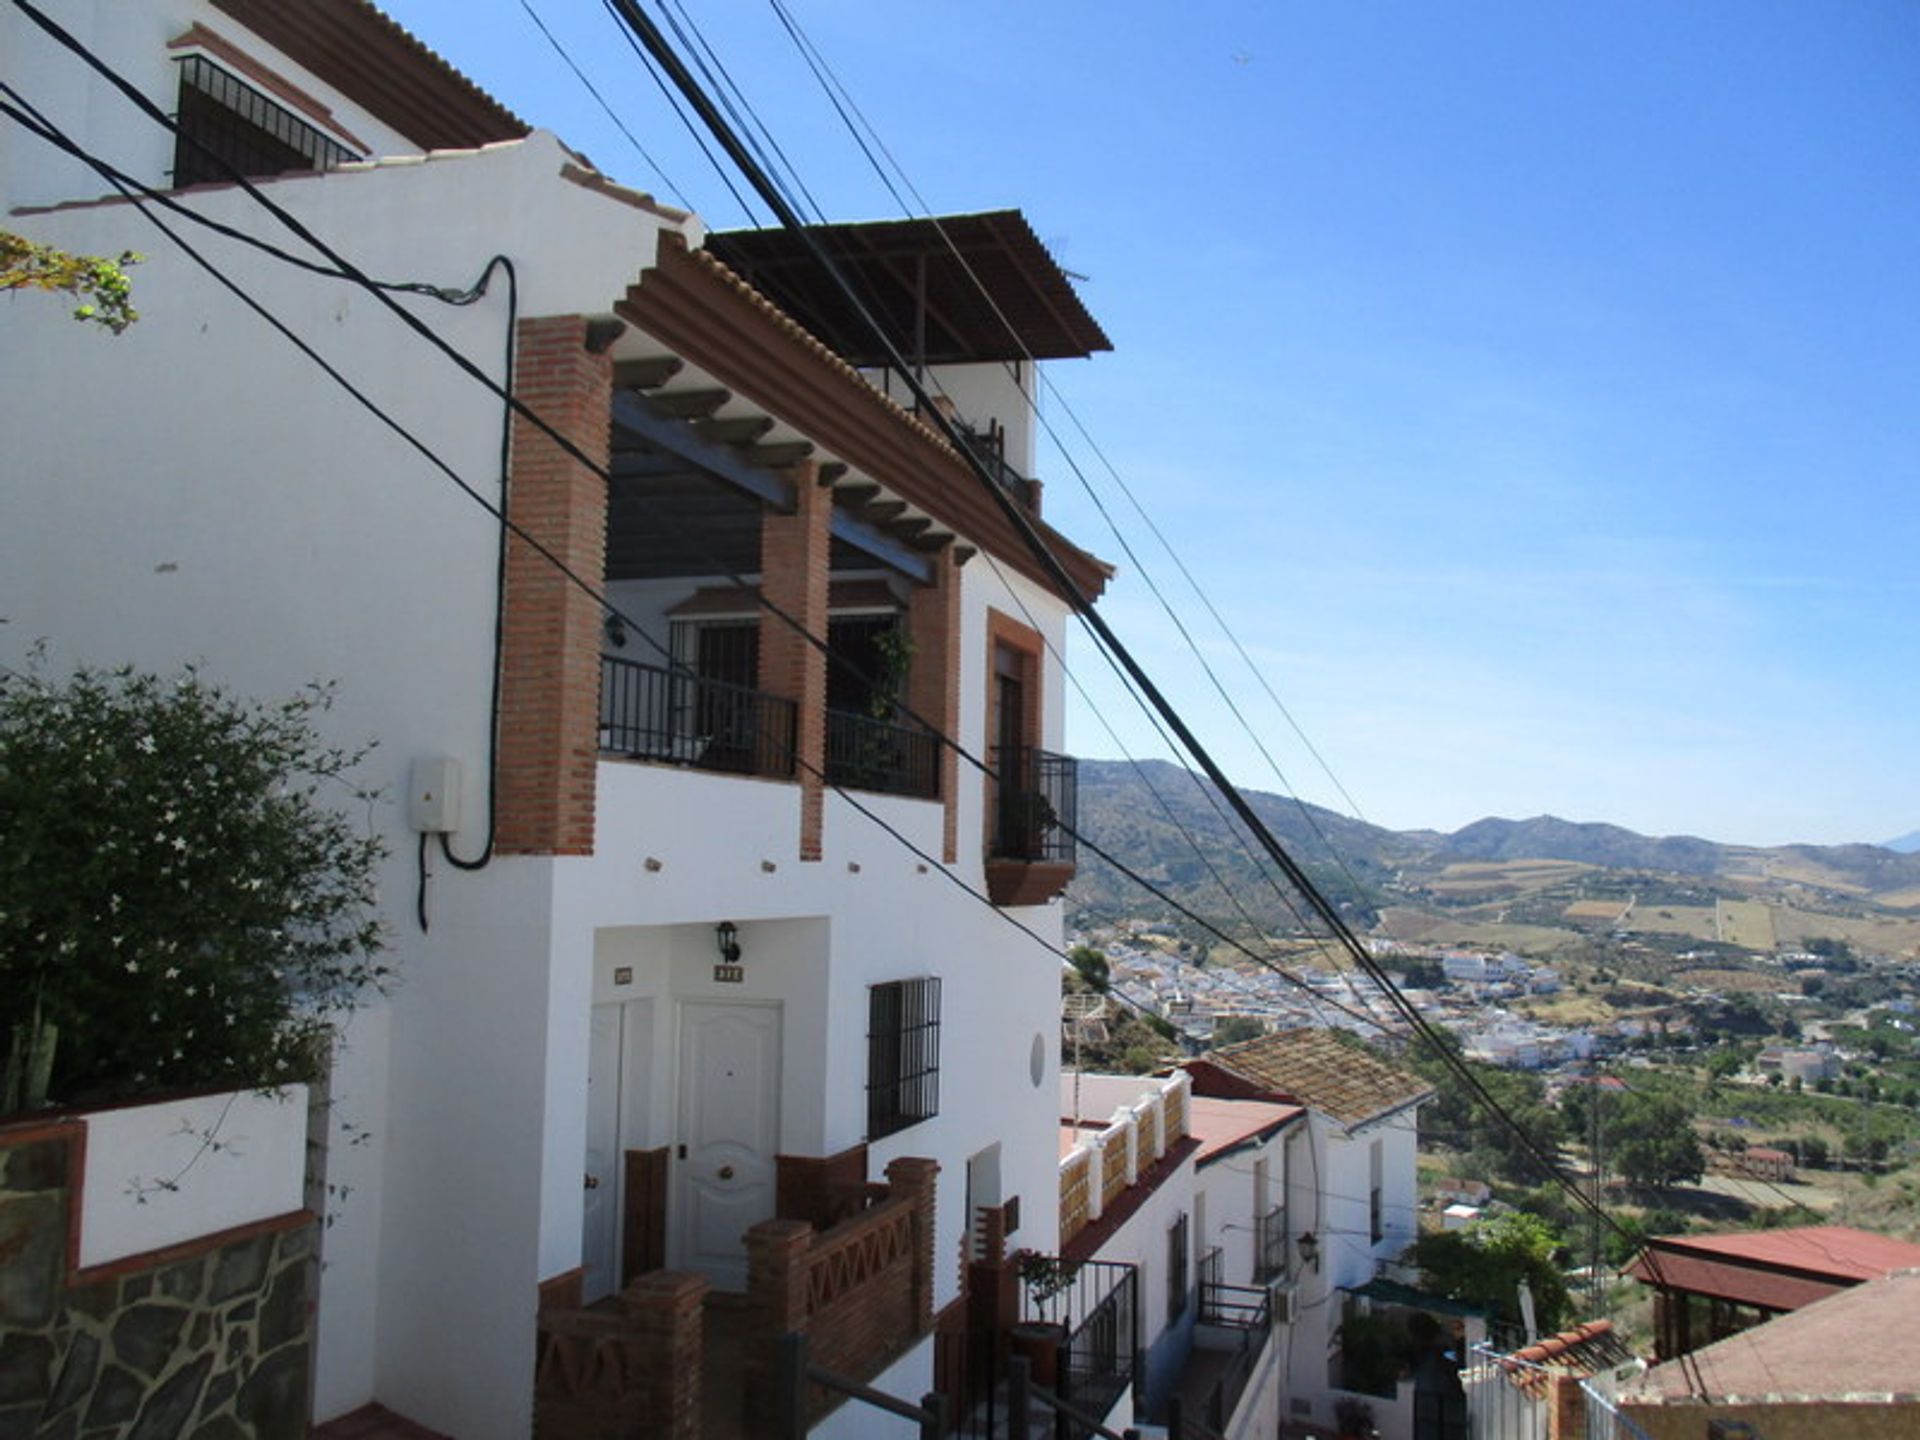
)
(196, 491)
(159, 1174)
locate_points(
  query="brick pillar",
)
(550, 658)
(915, 1179)
(663, 1310)
(1566, 1408)
(793, 577)
(933, 682)
(777, 1253)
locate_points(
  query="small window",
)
(242, 127)
(1177, 1270)
(903, 1055)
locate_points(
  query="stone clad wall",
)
(208, 1339)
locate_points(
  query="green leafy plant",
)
(182, 901)
(101, 285)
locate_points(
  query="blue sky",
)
(1531, 386)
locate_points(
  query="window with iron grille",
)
(1177, 1270)
(903, 1055)
(239, 125)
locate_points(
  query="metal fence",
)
(868, 754)
(1037, 808)
(1098, 1304)
(650, 713)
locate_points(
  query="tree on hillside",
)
(1459, 1117)
(1651, 1143)
(1235, 1028)
(1485, 1265)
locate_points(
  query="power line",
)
(601, 100)
(836, 92)
(1064, 582)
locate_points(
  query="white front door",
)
(729, 1116)
(600, 1241)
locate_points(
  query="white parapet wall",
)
(158, 1175)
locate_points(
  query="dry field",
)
(1746, 923)
(1752, 981)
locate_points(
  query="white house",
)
(1352, 1205)
(702, 997)
(1182, 1198)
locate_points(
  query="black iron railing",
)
(868, 754)
(1036, 809)
(1270, 1257)
(1096, 1302)
(650, 713)
(990, 448)
(1238, 1307)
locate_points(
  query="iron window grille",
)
(222, 118)
(903, 1055)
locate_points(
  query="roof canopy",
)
(922, 279)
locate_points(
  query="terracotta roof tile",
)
(1312, 1067)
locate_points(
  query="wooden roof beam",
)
(646, 374)
(689, 404)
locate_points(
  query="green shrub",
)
(182, 904)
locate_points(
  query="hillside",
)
(1514, 882)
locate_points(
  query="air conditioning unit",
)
(1282, 1301)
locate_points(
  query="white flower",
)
(133, 967)
(172, 972)
(145, 745)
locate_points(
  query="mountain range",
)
(1170, 826)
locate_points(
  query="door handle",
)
(593, 1182)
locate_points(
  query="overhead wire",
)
(1102, 631)
(836, 93)
(601, 100)
(1049, 563)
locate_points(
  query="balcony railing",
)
(868, 754)
(651, 713)
(1096, 1303)
(1036, 811)
(1270, 1257)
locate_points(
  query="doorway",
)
(619, 1056)
(728, 1136)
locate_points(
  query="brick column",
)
(663, 1310)
(1566, 1408)
(776, 1305)
(550, 658)
(794, 561)
(916, 1179)
(933, 682)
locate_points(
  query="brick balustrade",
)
(861, 1292)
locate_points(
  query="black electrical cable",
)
(834, 91)
(341, 268)
(680, 115)
(1058, 575)
(612, 114)
(1064, 582)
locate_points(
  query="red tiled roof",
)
(1724, 1280)
(1837, 1250)
(1222, 1126)
(1774, 1269)
(1855, 1345)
